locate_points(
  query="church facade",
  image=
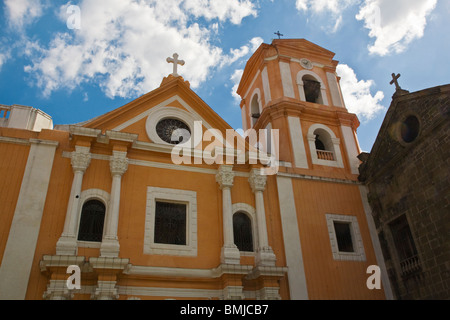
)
(162, 199)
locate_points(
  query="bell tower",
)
(291, 85)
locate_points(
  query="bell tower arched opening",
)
(255, 112)
(311, 88)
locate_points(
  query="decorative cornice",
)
(121, 136)
(109, 263)
(60, 261)
(272, 271)
(83, 131)
(187, 272)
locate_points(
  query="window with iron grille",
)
(405, 246)
(242, 230)
(92, 221)
(170, 223)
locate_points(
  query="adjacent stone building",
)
(407, 174)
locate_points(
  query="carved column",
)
(230, 253)
(264, 255)
(110, 243)
(67, 243)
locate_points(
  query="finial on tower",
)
(175, 62)
(395, 80)
(279, 34)
(398, 89)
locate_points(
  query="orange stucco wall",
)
(328, 278)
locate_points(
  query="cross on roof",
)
(395, 80)
(175, 62)
(279, 34)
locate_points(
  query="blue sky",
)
(119, 51)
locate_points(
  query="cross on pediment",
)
(395, 80)
(279, 34)
(175, 62)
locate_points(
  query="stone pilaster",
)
(110, 244)
(67, 243)
(230, 253)
(264, 254)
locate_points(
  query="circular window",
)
(173, 131)
(410, 129)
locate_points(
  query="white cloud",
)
(333, 7)
(302, 5)
(115, 48)
(233, 10)
(357, 96)
(245, 50)
(2, 60)
(394, 24)
(236, 79)
(236, 54)
(23, 12)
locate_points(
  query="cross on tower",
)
(279, 34)
(175, 62)
(395, 80)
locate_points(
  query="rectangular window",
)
(170, 223)
(403, 239)
(343, 236)
(405, 246)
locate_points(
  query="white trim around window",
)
(86, 195)
(334, 143)
(159, 113)
(251, 213)
(187, 197)
(358, 254)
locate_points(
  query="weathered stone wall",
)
(413, 179)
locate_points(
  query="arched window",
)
(324, 145)
(319, 144)
(254, 109)
(312, 89)
(92, 221)
(242, 230)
